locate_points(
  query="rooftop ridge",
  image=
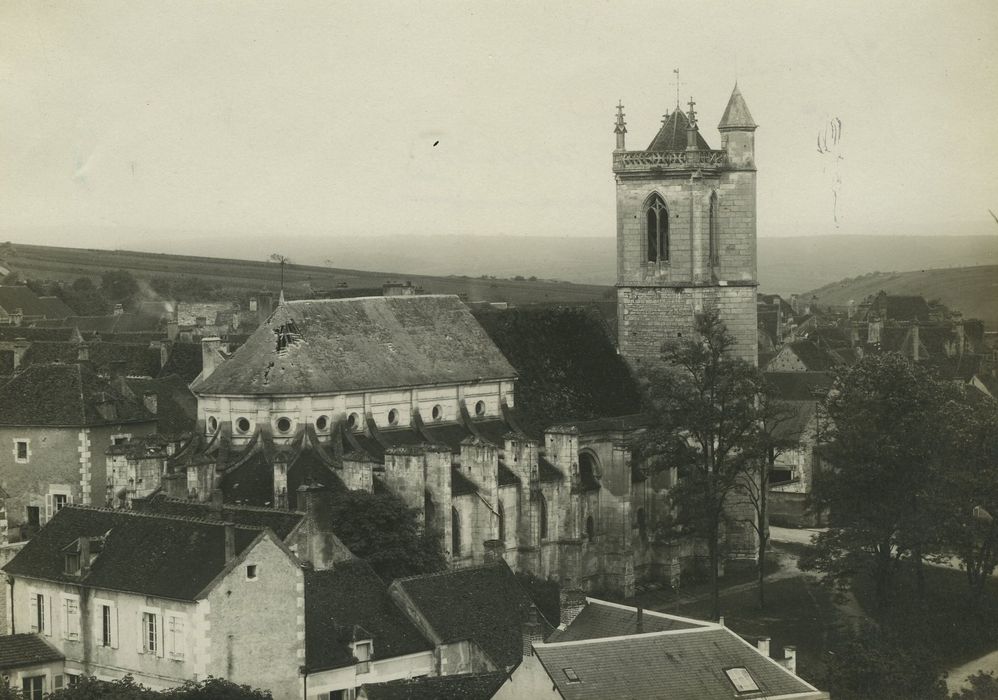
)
(302, 302)
(234, 506)
(443, 572)
(165, 516)
(707, 627)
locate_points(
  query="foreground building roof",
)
(464, 686)
(340, 345)
(20, 650)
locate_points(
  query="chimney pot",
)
(84, 556)
(790, 659)
(531, 632)
(572, 601)
(763, 645)
(720, 620)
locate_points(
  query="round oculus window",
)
(393, 417)
(322, 422)
(284, 424)
(480, 408)
(243, 425)
(353, 421)
(212, 423)
(437, 412)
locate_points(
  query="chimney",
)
(83, 353)
(210, 358)
(118, 309)
(322, 548)
(17, 317)
(720, 620)
(84, 556)
(640, 625)
(252, 304)
(19, 347)
(151, 400)
(790, 659)
(571, 601)
(531, 632)
(763, 645)
(172, 329)
(494, 551)
(230, 542)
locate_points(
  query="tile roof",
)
(282, 522)
(681, 665)
(347, 597)
(483, 603)
(156, 555)
(898, 307)
(355, 344)
(54, 307)
(66, 395)
(672, 135)
(176, 406)
(20, 650)
(13, 297)
(464, 686)
(136, 359)
(184, 361)
(799, 386)
(600, 619)
(32, 333)
(814, 357)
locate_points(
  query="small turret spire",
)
(620, 128)
(736, 114)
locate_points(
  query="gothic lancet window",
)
(714, 243)
(657, 216)
(542, 515)
(455, 532)
(502, 523)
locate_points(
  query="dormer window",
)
(72, 564)
(742, 680)
(363, 651)
(571, 675)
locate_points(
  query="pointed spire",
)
(736, 114)
(620, 128)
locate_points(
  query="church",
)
(410, 395)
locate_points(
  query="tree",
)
(886, 415)
(983, 686)
(85, 298)
(119, 286)
(706, 425)
(211, 688)
(380, 529)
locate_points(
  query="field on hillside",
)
(46, 262)
(970, 290)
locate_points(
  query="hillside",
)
(244, 276)
(970, 290)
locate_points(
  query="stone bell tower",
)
(686, 232)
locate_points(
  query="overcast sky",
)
(121, 120)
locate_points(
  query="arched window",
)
(502, 523)
(590, 528)
(657, 221)
(455, 532)
(642, 525)
(542, 515)
(712, 232)
(589, 472)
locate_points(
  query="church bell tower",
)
(686, 232)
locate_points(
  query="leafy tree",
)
(379, 528)
(120, 286)
(84, 297)
(706, 425)
(970, 491)
(871, 663)
(127, 689)
(983, 686)
(886, 414)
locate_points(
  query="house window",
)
(393, 417)
(212, 424)
(657, 218)
(59, 501)
(34, 516)
(71, 618)
(251, 572)
(175, 636)
(150, 642)
(362, 650)
(33, 687)
(21, 453)
(242, 425)
(108, 625)
(321, 422)
(72, 562)
(502, 523)
(437, 412)
(353, 421)
(284, 424)
(712, 230)
(455, 532)
(38, 605)
(571, 675)
(480, 408)
(542, 515)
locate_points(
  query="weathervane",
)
(676, 71)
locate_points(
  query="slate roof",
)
(464, 686)
(13, 297)
(137, 359)
(799, 386)
(32, 333)
(600, 619)
(282, 522)
(814, 357)
(736, 114)
(20, 650)
(672, 135)
(898, 307)
(338, 345)
(176, 406)
(184, 361)
(349, 596)
(483, 603)
(685, 664)
(67, 395)
(54, 307)
(156, 555)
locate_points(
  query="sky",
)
(129, 122)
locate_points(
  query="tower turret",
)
(738, 132)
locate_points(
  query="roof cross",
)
(693, 114)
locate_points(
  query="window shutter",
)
(48, 618)
(99, 626)
(114, 626)
(161, 632)
(33, 610)
(140, 637)
(57, 682)
(65, 618)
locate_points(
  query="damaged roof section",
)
(338, 345)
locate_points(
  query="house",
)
(19, 305)
(56, 424)
(29, 663)
(163, 598)
(619, 651)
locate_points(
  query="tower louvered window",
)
(657, 224)
(714, 243)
